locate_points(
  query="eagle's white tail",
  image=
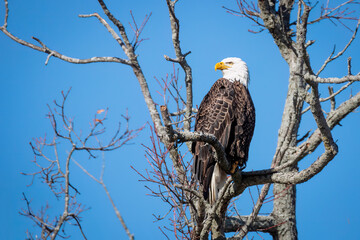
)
(218, 180)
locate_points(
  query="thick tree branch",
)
(332, 120)
(294, 177)
(208, 138)
(321, 121)
(261, 224)
(348, 78)
(278, 26)
(306, 174)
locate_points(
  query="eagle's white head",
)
(234, 69)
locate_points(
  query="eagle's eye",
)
(229, 63)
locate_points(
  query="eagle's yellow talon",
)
(234, 166)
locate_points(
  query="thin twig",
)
(331, 58)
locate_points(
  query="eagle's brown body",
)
(227, 112)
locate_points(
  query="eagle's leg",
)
(234, 166)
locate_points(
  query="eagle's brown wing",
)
(243, 130)
(223, 113)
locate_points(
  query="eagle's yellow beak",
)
(221, 66)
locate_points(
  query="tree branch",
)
(330, 14)
(247, 226)
(126, 45)
(261, 223)
(65, 214)
(294, 177)
(101, 182)
(208, 138)
(54, 53)
(331, 96)
(315, 79)
(181, 59)
(6, 15)
(111, 31)
(331, 58)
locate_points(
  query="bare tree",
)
(193, 217)
(54, 169)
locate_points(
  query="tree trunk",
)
(284, 212)
(285, 195)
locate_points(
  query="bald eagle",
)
(227, 111)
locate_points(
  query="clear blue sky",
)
(327, 206)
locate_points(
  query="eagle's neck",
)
(241, 75)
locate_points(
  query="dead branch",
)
(335, 13)
(332, 58)
(54, 53)
(101, 182)
(250, 10)
(181, 59)
(110, 29)
(348, 78)
(58, 177)
(332, 99)
(261, 223)
(268, 176)
(331, 96)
